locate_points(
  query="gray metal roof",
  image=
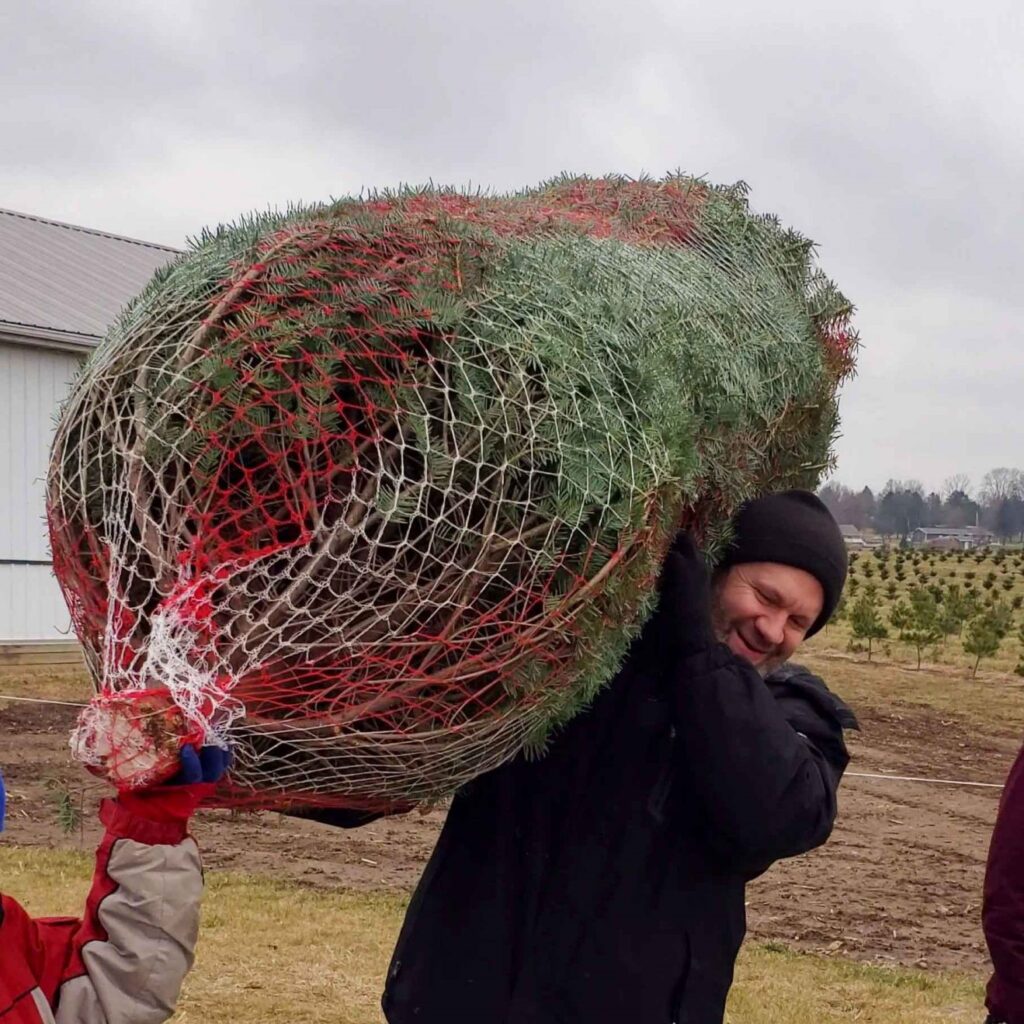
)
(64, 283)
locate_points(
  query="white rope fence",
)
(916, 778)
(44, 700)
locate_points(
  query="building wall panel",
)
(33, 382)
(31, 605)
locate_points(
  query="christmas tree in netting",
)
(378, 490)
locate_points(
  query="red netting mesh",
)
(378, 490)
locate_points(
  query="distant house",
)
(962, 538)
(851, 536)
(944, 544)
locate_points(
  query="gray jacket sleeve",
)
(137, 939)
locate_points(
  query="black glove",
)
(684, 608)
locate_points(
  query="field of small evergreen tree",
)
(918, 605)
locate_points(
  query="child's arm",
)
(124, 961)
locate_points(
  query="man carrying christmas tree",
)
(604, 883)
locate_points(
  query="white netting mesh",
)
(379, 490)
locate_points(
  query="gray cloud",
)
(888, 133)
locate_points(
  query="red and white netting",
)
(377, 492)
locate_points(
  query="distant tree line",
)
(902, 505)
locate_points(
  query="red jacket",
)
(1003, 907)
(124, 960)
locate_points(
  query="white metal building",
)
(60, 287)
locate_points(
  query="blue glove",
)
(175, 800)
(207, 764)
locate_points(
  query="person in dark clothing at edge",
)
(604, 883)
(1002, 912)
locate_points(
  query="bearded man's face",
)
(762, 611)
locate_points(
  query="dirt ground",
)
(900, 881)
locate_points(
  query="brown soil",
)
(900, 881)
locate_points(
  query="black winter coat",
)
(604, 883)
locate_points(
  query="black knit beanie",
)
(792, 528)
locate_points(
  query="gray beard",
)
(770, 666)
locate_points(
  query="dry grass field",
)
(283, 953)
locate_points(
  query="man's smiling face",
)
(762, 611)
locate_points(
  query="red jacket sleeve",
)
(1003, 906)
(125, 958)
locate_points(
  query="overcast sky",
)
(890, 133)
